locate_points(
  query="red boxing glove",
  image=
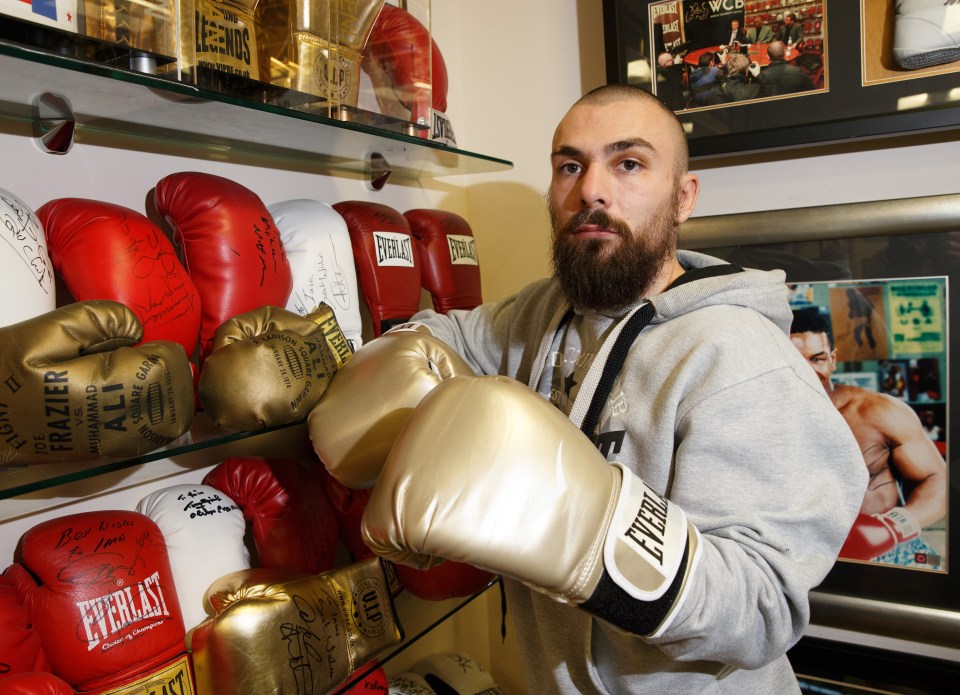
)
(106, 251)
(408, 78)
(447, 580)
(292, 522)
(374, 682)
(877, 534)
(348, 505)
(100, 590)
(388, 266)
(231, 247)
(449, 270)
(37, 683)
(20, 647)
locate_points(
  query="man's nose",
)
(595, 188)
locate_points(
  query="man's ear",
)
(689, 190)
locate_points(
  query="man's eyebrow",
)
(623, 145)
(612, 148)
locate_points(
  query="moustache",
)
(598, 218)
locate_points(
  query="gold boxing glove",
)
(75, 385)
(369, 400)
(489, 473)
(270, 366)
(307, 634)
(329, 38)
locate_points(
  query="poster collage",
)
(880, 350)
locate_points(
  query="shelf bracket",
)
(53, 123)
(378, 171)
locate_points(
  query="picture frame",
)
(874, 243)
(863, 92)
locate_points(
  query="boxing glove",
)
(368, 401)
(449, 268)
(348, 506)
(25, 268)
(106, 251)
(409, 683)
(231, 247)
(369, 678)
(446, 580)
(291, 521)
(305, 634)
(37, 683)
(388, 268)
(405, 67)
(204, 531)
(20, 648)
(452, 672)
(486, 471)
(317, 244)
(73, 387)
(328, 44)
(101, 593)
(874, 535)
(270, 366)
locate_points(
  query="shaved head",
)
(612, 93)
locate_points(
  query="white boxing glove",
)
(318, 248)
(453, 672)
(25, 269)
(204, 530)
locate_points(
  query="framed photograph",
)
(755, 75)
(875, 293)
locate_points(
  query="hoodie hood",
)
(764, 291)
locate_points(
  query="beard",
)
(602, 275)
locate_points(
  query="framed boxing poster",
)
(875, 293)
(759, 75)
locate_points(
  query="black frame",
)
(881, 600)
(845, 110)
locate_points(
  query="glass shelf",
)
(418, 618)
(203, 434)
(110, 101)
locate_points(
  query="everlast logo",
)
(442, 129)
(650, 525)
(393, 249)
(463, 249)
(109, 614)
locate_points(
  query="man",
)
(735, 35)
(780, 77)
(735, 84)
(670, 87)
(897, 452)
(790, 32)
(759, 32)
(689, 410)
(704, 78)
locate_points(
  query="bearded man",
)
(640, 452)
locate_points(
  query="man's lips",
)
(594, 231)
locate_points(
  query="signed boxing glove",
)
(273, 632)
(270, 366)
(77, 383)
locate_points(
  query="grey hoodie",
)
(716, 409)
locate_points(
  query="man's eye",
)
(570, 168)
(630, 164)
